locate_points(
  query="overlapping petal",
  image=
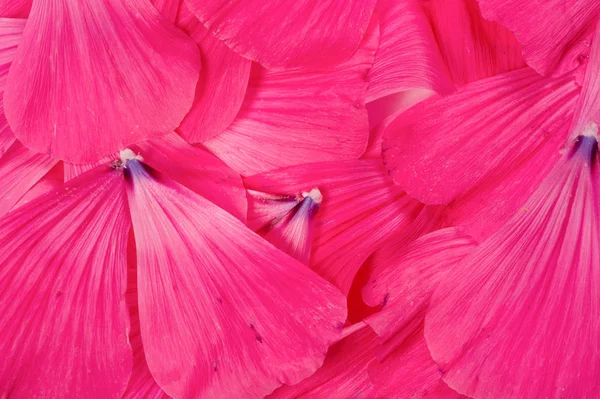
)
(288, 33)
(62, 279)
(237, 317)
(89, 79)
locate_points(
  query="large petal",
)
(11, 31)
(343, 375)
(361, 209)
(220, 90)
(479, 140)
(288, 33)
(555, 34)
(20, 170)
(519, 317)
(472, 47)
(407, 56)
(236, 316)
(295, 117)
(89, 79)
(198, 170)
(62, 280)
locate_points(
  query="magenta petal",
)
(443, 148)
(90, 79)
(198, 170)
(220, 91)
(15, 8)
(518, 318)
(555, 34)
(62, 281)
(408, 55)
(236, 316)
(295, 117)
(288, 33)
(20, 170)
(472, 47)
(343, 374)
(360, 210)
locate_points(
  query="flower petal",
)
(555, 34)
(237, 317)
(361, 209)
(407, 56)
(288, 33)
(62, 280)
(49, 182)
(90, 79)
(472, 47)
(343, 375)
(288, 118)
(20, 170)
(198, 170)
(15, 8)
(220, 90)
(519, 316)
(404, 280)
(476, 140)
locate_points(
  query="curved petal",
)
(343, 374)
(472, 47)
(20, 170)
(288, 33)
(62, 281)
(519, 316)
(89, 80)
(220, 90)
(198, 170)
(403, 281)
(361, 209)
(555, 34)
(477, 140)
(408, 55)
(295, 117)
(237, 316)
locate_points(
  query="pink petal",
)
(288, 33)
(410, 372)
(198, 170)
(472, 47)
(286, 221)
(296, 117)
(62, 280)
(404, 280)
(407, 56)
(555, 33)
(11, 31)
(89, 80)
(361, 209)
(236, 316)
(479, 139)
(15, 8)
(20, 170)
(518, 318)
(141, 384)
(49, 182)
(220, 91)
(343, 375)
